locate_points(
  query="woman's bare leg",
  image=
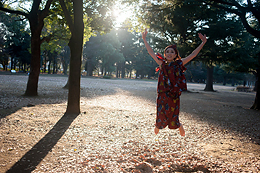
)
(156, 130)
(181, 129)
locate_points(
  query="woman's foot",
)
(181, 129)
(156, 130)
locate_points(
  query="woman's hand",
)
(203, 37)
(144, 34)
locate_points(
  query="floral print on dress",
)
(171, 83)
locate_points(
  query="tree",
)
(222, 32)
(104, 49)
(76, 26)
(56, 30)
(90, 53)
(248, 11)
(128, 48)
(3, 51)
(35, 18)
(143, 63)
(179, 21)
(15, 41)
(110, 52)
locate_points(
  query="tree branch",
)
(240, 11)
(249, 29)
(221, 3)
(14, 12)
(254, 10)
(67, 15)
(225, 8)
(249, 3)
(45, 11)
(47, 38)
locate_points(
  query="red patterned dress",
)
(171, 83)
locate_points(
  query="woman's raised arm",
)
(149, 49)
(196, 51)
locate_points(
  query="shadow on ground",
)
(228, 110)
(37, 153)
(50, 91)
(225, 109)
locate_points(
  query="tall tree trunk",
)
(36, 18)
(209, 84)
(32, 84)
(76, 46)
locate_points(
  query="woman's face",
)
(170, 54)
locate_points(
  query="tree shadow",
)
(227, 110)
(236, 104)
(50, 91)
(37, 153)
(13, 88)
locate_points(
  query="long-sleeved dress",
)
(171, 83)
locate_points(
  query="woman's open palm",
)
(144, 34)
(203, 37)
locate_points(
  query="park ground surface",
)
(114, 132)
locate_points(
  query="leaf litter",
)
(114, 132)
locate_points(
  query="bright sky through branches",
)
(121, 13)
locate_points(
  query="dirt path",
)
(114, 132)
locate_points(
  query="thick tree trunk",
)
(75, 44)
(32, 84)
(36, 18)
(209, 84)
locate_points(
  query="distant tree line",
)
(14, 42)
(119, 52)
(232, 47)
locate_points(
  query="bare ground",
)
(114, 132)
